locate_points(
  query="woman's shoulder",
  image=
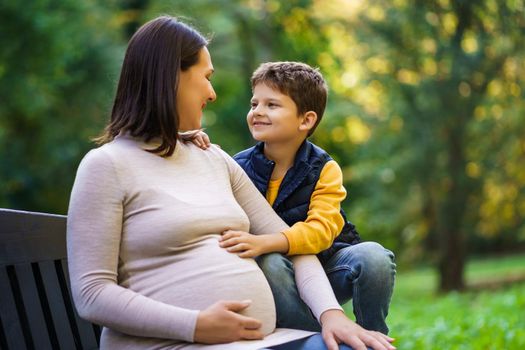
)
(96, 159)
(105, 155)
(234, 170)
(217, 152)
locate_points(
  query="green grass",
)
(421, 319)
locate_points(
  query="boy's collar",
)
(302, 154)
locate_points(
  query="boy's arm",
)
(324, 221)
(315, 234)
(248, 245)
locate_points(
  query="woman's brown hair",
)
(145, 102)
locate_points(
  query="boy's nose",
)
(257, 110)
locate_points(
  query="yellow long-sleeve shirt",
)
(324, 221)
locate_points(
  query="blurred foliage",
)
(425, 111)
(57, 70)
(440, 87)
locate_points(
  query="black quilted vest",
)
(294, 195)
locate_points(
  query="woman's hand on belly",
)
(222, 323)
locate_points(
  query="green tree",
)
(57, 71)
(440, 84)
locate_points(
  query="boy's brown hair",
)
(305, 85)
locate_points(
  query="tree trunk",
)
(452, 261)
(452, 246)
(452, 213)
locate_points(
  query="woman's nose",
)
(213, 95)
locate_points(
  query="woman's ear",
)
(308, 121)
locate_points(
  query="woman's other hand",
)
(222, 323)
(337, 328)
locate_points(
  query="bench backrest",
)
(36, 309)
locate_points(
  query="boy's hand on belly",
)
(246, 245)
(222, 323)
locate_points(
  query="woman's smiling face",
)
(194, 92)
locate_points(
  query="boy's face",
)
(273, 116)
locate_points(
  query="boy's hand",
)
(198, 137)
(247, 245)
(337, 328)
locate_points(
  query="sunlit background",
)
(426, 116)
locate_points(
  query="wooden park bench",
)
(36, 308)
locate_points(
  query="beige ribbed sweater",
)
(143, 246)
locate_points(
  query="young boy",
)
(304, 185)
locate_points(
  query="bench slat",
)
(56, 305)
(10, 321)
(33, 308)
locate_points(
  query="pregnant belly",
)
(203, 275)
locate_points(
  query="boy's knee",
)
(374, 257)
(379, 261)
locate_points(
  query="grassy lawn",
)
(485, 319)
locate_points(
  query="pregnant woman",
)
(147, 211)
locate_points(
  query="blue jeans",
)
(364, 272)
(314, 342)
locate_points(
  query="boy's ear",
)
(308, 121)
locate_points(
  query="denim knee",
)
(383, 259)
(367, 262)
(373, 257)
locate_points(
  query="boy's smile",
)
(260, 123)
(273, 116)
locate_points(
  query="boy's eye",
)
(253, 105)
(272, 105)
